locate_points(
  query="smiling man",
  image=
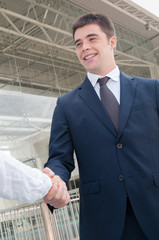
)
(93, 47)
(111, 121)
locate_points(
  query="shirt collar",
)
(114, 75)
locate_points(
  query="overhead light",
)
(4, 148)
(147, 27)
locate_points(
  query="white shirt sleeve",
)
(21, 182)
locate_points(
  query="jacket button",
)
(119, 145)
(121, 177)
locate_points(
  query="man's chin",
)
(90, 69)
(94, 71)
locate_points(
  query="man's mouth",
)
(89, 56)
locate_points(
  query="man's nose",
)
(86, 46)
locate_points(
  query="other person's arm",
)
(21, 182)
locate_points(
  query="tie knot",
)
(103, 81)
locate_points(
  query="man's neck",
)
(105, 72)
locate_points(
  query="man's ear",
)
(113, 42)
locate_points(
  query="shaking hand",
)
(58, 195)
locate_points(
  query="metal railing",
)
(28, 223)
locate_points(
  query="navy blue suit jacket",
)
(109, 171)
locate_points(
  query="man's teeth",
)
(92, 55)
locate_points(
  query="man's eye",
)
(91, 39)
(78, 44)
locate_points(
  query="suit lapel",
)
(127, 93)
(90, 97)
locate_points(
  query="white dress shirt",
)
(21, 182)
(113, 84)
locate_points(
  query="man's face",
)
(94, 50)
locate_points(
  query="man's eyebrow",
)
(89, 35)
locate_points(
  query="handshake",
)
(58, 195)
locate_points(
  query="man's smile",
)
(89, 56)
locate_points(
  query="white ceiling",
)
(37, 55)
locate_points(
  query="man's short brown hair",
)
(101, 20)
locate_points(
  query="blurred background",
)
(38, 63)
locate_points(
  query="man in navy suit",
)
(118, 168)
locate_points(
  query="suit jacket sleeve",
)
(157, 94)
(61, 146)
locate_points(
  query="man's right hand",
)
(58, 195)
